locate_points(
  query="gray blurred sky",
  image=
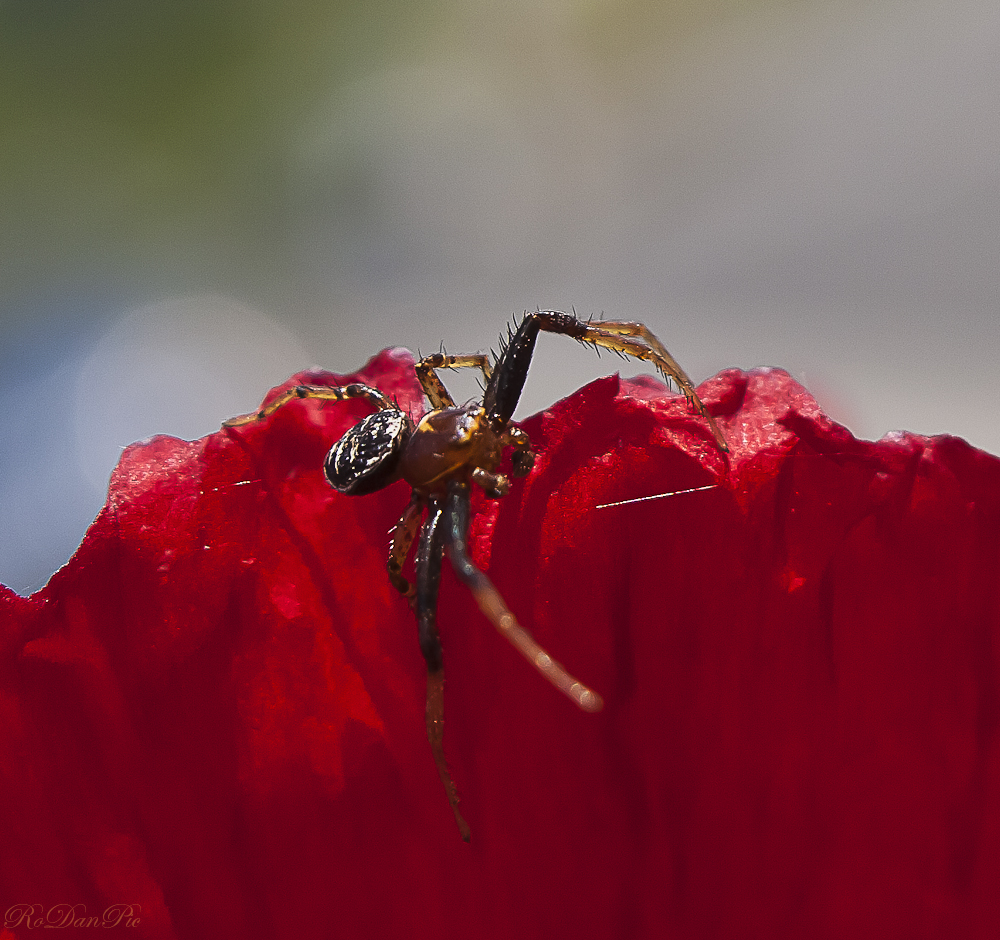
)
(198, 199)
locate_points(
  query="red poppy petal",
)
(214, 713)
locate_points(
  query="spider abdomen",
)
(366, 458)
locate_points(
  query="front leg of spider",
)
(491, 603)
(428, 565)
(622, 336)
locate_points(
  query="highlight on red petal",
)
(214, 713)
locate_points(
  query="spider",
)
(441, 457)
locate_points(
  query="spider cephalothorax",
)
(441, 457)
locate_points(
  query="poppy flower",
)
(211, 720)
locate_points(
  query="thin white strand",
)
(642, 499)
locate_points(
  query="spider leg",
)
(429, 555)
(627, 338)
(434, 388)
(340, 393)
(648, 347)
(402, 538)
(492, 604)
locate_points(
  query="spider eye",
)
(366, 458)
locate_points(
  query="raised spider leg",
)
(338, 393)
(429, 553)
(456, 528)
(654, 351)
(630, 339)
(432, 385)
(399, 547)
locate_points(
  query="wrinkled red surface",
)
(214, 712)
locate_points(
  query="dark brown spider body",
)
(441, 457)
(450, 444)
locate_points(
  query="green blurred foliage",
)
(148, 139)
(129, 124)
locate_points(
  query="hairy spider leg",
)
(432, 385)
(429, 554)
(493, 607)
(339, 393)
(627, 338)
(399, 547)
(655, 353)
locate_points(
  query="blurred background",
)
(199, 198)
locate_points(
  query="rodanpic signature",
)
(77, 916)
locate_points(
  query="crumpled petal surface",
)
(214, 712)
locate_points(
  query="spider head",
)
(366, 458)
(449, 444)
